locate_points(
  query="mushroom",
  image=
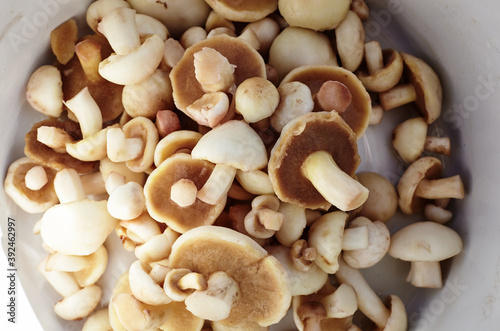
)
(243, 11)
(96, 264)
(106, 167)
(120, 29)
(143, 227)
(180, 283)
(424, 89)
(361, 9)
(425, 244)
(44, 91)
(16, 186)
(63, 39)
(318, 15)
(147, 25)
(295, 223)
(382, 200)
(237, 260)
(68, 186)
(175, 142)
(215, 20)
(98, 320)
(100, 8)
(157, 191)
(350, 38)
(299, 42)
(79, 304)
(143, 287)
(378, 244)
(132, 314)
(148, 96)
(420, 182)
(92, 148)
(157, 247)
(172, 54)
(376, 115)
(256, 98)
(144, 129)
(191, 36)
(127, 201)
(232, 145)
(180, 318)
(332, 158)
(435, 213)
(370, 304)
(295, 100)
(383, 68)
(247, 61)
(255, 182)
(266, 30)
(302, 282)
(209, 110)
(264, 219)
(410, 139)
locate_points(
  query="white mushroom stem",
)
(55, 138)
(193, 281)
(35, 178)
(311, 314)
(120, 29)
(255, 182)
(144, 287)
(113, 180)
(437, 214)
(120, 148)
(337, 187)
(302, 255)
(88, 52)
(210, 109)
(451, 187)
(341, 303)
(368, 301)
(216, 302)
(68, 186)
(397, 96)
(217, 185)
(355, 238)
(93, 183)
(183, 192)
(213, 70)
(172, 288)
(86, 111)
(425, 274)
(158, 247)
(376, 115)
(440, 145)
(373, 57)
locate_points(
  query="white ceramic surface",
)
(460, 39)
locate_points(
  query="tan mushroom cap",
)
(243, 11)
(157, 192)
(382, 201)
(357, 114)
(29, 200)
(46, 156)
(424, 168)
(385, 78)
(107, 95)
(248, 62)
(312, 132)
(265, 294)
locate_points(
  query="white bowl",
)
(461, 41)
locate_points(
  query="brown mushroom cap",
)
(357, 114)
(107, 95)
(157, 192)
(265, 294)
(386, 78)
(319, 131)
(46, 156)
(424, 168)
(29, 200)
(248, 62)
(243, 11)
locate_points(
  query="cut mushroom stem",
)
(86, 111)
(437, 214)
(341, 303)
(183, 192)
(55, 138)
(302, 255)
(311, 314)
(88, 52)
(214, 303)
(334, 95)
(451, 187)
(373, 57)
(120, 29)
(213, 70)
(36, 178)
(218, 184)
(355, 238)
(440, 145)
(193, 281)
(425, 274)
(398, 96)
(120, 148)
(376, 114)
(68, 186)
(332, 183)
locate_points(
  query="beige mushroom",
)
(182, 140)
(361, 9)
(410, 139)
(295, 222)
(63, 282)
(147, 25)
(295, 100)
(144, 129)
(213, 70)
(350, 38)
(172, 54)
(180, 283)
(79, 304)
(36, 178)
(106, 166)
(264, 219)
(376, 115)
(382, 201)
(435, 213)
(44, 91)
(425, 244)
(255, 182)
(86, 111)
(209, 110)
(63, 39)
(256, 98)
(127, 201)
(317, 15)
(100, 8)
(157, 247)
(266, 30)
(120, 29)
(98, 320)
(96, 264)
(68, 186)
(143, 287)
(244, 11)
(53, 137)
(92, 148)
(132, 314)
(192, 35)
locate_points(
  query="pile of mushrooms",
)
(218, 141)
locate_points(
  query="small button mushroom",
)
(143, 287)
(378, 244)
(425, 244)
(332, 158)
(302, 255)
(68, 186)
(63, 39)
(410, 139)
(256, 98)
(341, 303)
(192, 36)
(127, 201)
(120, 29)
(357, 115)
(44, 91)
(383, 68)
(266, 30)
(302, 282)
(317, 15)
(175, 142)
(86, 111)
(122, 149)
(419, 183)
(16, 186)
(158, 189)
(264, 219)
(77, 228)
(209, 110)
(148, 96)
(100, 8)
(247, 61)
(244, 11)
(300, 42)
(144, 129)
(370, 304)
(295, 100)
(98, 320)
(36, 178)
(263, 285)
(180, 283)
(350, 38)
(424, 89)
(382, 201)
(326, 236)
